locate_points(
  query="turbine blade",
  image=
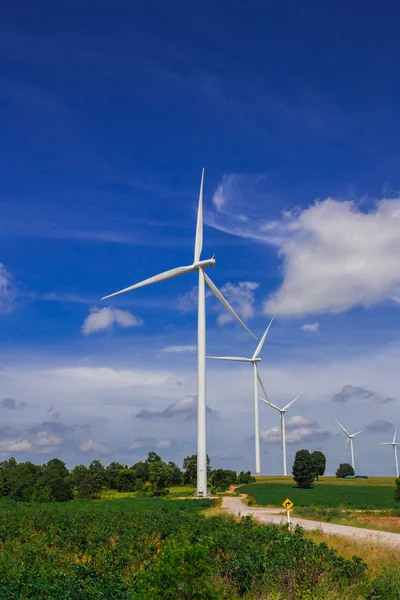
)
(160, 277)
(394, 437)
(198, 244)
(358, 433)
(293, 401)
(269, 404)
(341, 427)
(387, 444)
(261, 383)
(261, 344)
(234, 358)
(225, 303)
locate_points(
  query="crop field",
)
(329, 492)
(145, 549)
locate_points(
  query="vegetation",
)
(397, 491)
(304, 469)
(350, 494)
(319, 462)
(344, 470)
(151, 548)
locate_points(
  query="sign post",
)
(288, 505)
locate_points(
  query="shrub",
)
(344, 470)
(397, 491)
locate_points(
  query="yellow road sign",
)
(288, 504)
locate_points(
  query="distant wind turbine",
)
(199, 266)
(254, 360)
(282, 412)
(350, 438)
(394, 444)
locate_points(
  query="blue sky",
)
(107, 118)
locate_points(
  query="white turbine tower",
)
(394, 444)
(199, 266)
(350, 438)
(253, 360)
(282, 412)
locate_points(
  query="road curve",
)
(237, 507)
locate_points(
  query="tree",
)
(344, 470)
(222, 479)
(113, 470)
(397, 492)
(88, 487)
(245, 477)
(55, 477)
(190, 469)
(303, 469)
(176, 474)
(160, 475)
(125, 481)
(153, 457)
(319, 462)
(99, 473)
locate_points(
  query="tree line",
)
(53, 482)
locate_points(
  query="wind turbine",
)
(394, 444)
(282, 412)
(253, 360)
(350, 438)
(199, 266)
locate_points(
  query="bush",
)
(397, 492)
(222, 479)
(344, 470)
(303, 469)
(245, 477)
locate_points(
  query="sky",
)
(107, 118)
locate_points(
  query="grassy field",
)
(367, 494)
(149, 549)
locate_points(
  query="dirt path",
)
(237, 507)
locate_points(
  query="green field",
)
(329, 492)
(151, 549)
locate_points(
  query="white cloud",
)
(45, 438)
(93, 446)
(298, 429)
(8, 291)
(166, 444)
(16, 445)
(177, 349)
(336, 257)
(102, 319)
(173, 381)
(311, 327)
(241, 298)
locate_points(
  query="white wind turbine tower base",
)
(350, 438)
(199, 266)
(394, 444)
(256, 376)
(282, 412)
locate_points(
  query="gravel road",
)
(237, 507)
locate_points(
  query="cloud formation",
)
(380, 426)
(93, 446)
(352, 392)
(185, 406)
(241, 297)
(298, 429)
(8, 291)
(335, 254)
(11, 404)
(311, 327)
(103, 319)
(177, 349)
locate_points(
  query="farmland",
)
(329, 492)
(155, 548)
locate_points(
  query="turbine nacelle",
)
(203, 264)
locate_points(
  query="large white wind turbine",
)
(199, 266)
(350, 438)
(282, 412)
(254, 360)
(394, 444)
